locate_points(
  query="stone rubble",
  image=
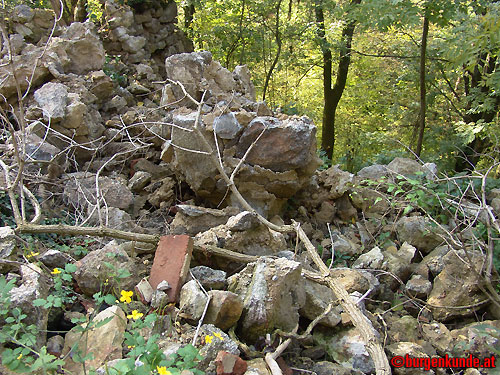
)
(98, 116)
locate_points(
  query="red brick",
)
(230, 364)
(171, 263)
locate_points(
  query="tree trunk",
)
(234, 45)
(474, 80)
(189, 10)
(277, 35)
(422, 113)
(332, 95)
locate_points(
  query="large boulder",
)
(194, 219)
(198, 72)
(271, 296)
(197, 168)
(80, 191)
(26, 68)
(284, 145)
(78, 50)
(420, 232)
(335, 181)
(104, 341)
(445, 296)
(93, 274)
(405, 167)
(52, 98)
(256, 240)
(317, 299)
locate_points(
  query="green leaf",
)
(407, 210)
(39, 302)
(70, 268)
(110, 299)
(103, 322)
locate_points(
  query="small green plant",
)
(327, 162)
(340, 260)
(63, 291)
(19, 339)
(111, 69)
(383, 238)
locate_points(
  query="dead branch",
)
(69, 230)
(360, 321)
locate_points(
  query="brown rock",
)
(224, 310)
(171, 263)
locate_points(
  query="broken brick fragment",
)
(171, 263)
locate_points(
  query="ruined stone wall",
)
(143, 34)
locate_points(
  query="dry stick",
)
(493, 294)
(87, 231)
(272, 357)
(11, 194)
(209, 297)
(359, 320)
(307, 333)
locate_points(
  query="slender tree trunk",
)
(189, 10)
(473, 80)
(422, 113)
(234, 45)
(277, 35)
(332, 95)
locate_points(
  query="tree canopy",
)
(300, 51)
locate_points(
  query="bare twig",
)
(359, 320)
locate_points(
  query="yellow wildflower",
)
(218, 335)
(56, 271)
(163, 370)
(135, 315)
(131, 346)
(208, 339)
(126, 296)
(20, 356)
(32, 254)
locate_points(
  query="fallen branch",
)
(272, 357)
(360, 321)
(70, 230)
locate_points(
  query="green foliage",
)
(489, 331)
(113, 69)
(377, 116)
(19, 339)
(63, 291)
(443, 200)
(94, 10)
(326, 162)
(6, 214)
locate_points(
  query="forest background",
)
(380, 78)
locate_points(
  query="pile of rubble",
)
(116, 139)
